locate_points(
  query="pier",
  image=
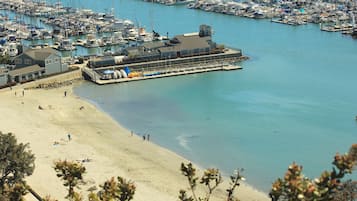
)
(93, 76)
(165, 68)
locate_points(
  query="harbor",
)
(293, 91)
(140, 52)
(330, 14)
(75, 32)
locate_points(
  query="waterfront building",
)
(48, 58)
(180, 46)
(35, 63)
(27, 73)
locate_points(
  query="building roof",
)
(26, 70)
(192, 41)
(153, 45)
(41, 54)
(186, 42)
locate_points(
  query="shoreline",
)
(96, 136)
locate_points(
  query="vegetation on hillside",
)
(16, 162)
(211, 179)
(329, 186)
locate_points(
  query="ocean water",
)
(294, 100)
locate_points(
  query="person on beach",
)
(69, 137)
(15, 93)
(23, 92)
(148, 137)
(144, 137)
(65, 93)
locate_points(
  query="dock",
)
(170, 72)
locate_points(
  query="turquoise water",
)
(295, 99)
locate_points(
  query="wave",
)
(184, 140)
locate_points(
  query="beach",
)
(44, 118)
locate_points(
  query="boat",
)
(354, 33)
(12, 50)
(91, 41)
(117, 38)
(66, 45)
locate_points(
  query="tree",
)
(347, 192)
(211, 179)
(295, 186)
(121, 190)
(15, 192)
(71, 173)
(5, 59)
(16, 162)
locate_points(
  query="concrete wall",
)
(3, 79)
(73, 75)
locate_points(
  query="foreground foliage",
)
(211, 179)
(72, 173)
(16, 162)
(121, 190)
(295, 186)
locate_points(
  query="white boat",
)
(66, 45)
(12, 50)
(118, 39)
(123, 73)
(91, 41)
(144, 36)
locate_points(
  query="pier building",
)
(183, 54)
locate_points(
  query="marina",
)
(283, 12)
(36, 24)
(141, 52)
(289, 91)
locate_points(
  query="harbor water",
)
(294, 100)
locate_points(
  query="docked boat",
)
(354, 33)
(91, 41)
(66, 45)
(12, 50)
(117, 38)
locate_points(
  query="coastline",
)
(96, 136)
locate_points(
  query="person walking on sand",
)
(23, 92)
(144, 137)
(148, 138)
(65, 93)
(69, 137)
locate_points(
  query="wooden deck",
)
(164, 73)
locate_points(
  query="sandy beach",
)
(110, 148)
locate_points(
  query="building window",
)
(56, 60)
(18, 61)
(27, 61)
(48, 61)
